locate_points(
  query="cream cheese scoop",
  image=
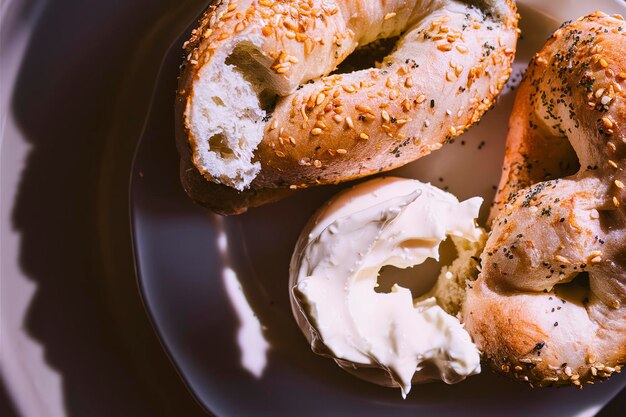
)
(387, 338)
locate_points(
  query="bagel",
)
(258, 110)
(550, 304)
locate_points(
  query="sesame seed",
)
(619, 184)
(603, 63)
(615, 201)
(605, 100)
(279, 154)
(562, 259)
(364, 136)
(452, 130)
(608, 123)
(406, 104)
(408, 83)
(290, 25)
(308, 46)
(594, 214)
(317, 163)
(599, 92)
(320, 124)
(348, 88)
(612, 163)
(320, 98)
(621, 76)
(337, 118)
(389, 15)
(420, 99)
(596, 259)
(316, 131)
(385, 116)
(444, 47)
(349, 122)
(342, 151)
(462, 49)
(364, 109)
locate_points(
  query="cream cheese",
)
(387, 221)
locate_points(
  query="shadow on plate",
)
(74, 227)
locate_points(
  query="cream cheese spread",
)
(386, 221)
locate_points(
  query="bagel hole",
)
(246, 58)
(610, 220)
(367, 56)
(576, 291)
(419, 279)
(551, 158)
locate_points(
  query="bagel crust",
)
(258, 110)
(550, 304)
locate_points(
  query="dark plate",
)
(182, 253)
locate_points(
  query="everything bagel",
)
(550, 304)
(258, 113)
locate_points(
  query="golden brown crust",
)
(222, 199)
(446, 72)
(550, 304)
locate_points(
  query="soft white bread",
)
(550, 304)
(257, 108)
